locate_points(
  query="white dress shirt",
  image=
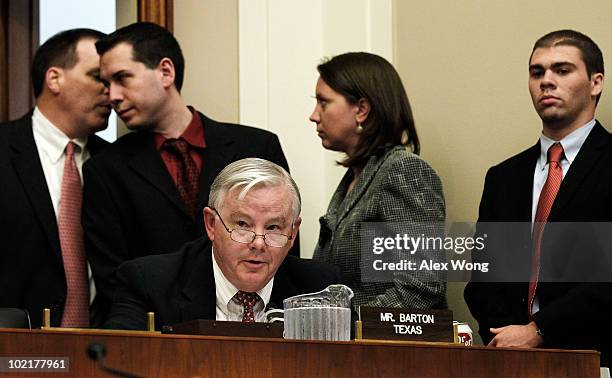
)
(227, 308)
(51, 144)
(571, 146)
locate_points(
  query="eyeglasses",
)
(272, 239)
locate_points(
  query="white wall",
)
(59, 15)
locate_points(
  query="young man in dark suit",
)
(565, 177)
(41, 266)
(146, 193)
(252, 219)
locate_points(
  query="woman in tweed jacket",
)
(362, 110)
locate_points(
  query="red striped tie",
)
(76, 309)
(545, 202)
(188, 174)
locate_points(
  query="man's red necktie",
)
(248, 301)
(188, 174)
(545, 202)
(76, 309)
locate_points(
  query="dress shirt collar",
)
(193, 134)
(225, 290)
(54, 139)
(571, 144)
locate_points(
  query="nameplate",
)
(221, 328)
(385, 323)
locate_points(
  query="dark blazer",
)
(131, 207)
(572, 314)
(31, 268)
(180, 286)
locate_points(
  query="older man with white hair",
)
(252, 219)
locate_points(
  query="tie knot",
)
(71, 147)
(555, 153)
(177, 145)
(247, 299)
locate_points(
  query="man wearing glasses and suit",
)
(252, 218)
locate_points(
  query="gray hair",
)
(248, 174)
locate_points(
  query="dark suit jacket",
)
(31, 268)
(131, 207)
(572, 314)
(180, 286)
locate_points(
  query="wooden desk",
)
(156, 355)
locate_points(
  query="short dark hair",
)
(361, 75)
(589, 51)
(58, 51)
(150, 43)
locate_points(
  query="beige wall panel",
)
(464, 65)
(127, 12)
(208, 33)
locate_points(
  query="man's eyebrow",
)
(278, 220)
(119, 73)
(563, 64)
(239, 214)
(554, 65)
(535, 66)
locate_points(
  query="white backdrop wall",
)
(59, 15)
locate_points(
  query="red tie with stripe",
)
(188, 174)
(247, 300)
(76, 309)
(545, 202)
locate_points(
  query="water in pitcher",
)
(325, 315)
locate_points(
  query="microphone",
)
(97, 351)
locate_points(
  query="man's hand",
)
(521, 336)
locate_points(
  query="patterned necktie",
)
(545, 202)
(76, 309)
(247, 300)
(188, 175)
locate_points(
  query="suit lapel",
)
(587, 157)
(28, 167)
(146, 161)
(361, 186)
(283, 288)
(199, 294)
(95, 144)
(524, 184)
(198, 300)
(216, 155)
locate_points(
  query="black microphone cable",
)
(97, 351)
